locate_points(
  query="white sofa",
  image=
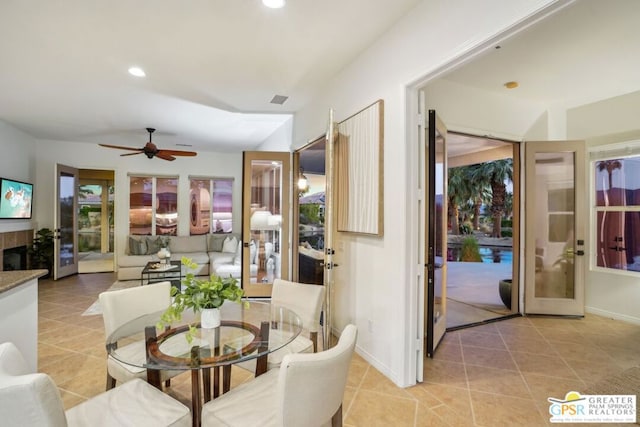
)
(209, 252)
(143, 249)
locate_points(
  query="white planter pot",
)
(210, 318)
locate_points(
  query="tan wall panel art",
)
(359, 172)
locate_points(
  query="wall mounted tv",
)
(15, 199)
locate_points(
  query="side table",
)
(155, 272)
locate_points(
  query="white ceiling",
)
(212, 65)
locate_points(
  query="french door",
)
(265, 223)
(432, 244)
(555, 227)
(66, 222)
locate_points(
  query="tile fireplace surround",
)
(14, 239)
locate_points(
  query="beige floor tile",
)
(443, 372)
(69, 400)
(428, 418)
(493, 410)
(553, 366)
(528, 345)
(374, 381)
(543, 387)
(500, 359)
(372, 409)
(455, 407)
(482, 339)
(497, 381)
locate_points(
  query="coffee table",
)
(155, 272)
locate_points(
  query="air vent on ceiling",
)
(279, 99)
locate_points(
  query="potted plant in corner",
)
(201, 295)
(41, 251)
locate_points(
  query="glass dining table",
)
(247, 331)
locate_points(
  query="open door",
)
(555, 218)
(436, 229)
(329, 227)
(66, 222)
(266, 192)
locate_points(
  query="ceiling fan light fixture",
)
(273, 4)
(137, 71)
(511, 85)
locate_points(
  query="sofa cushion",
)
(197, 257)
(137, 246)
(230, 244)
(134, 260)
(219, 258)
(188, 244)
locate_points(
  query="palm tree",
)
(496, 173)
(609, 166)
(458, 193)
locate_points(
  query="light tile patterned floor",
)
(499, 374)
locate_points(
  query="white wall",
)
(374, 292)
(16, 161)
(92, 156)
(612, 121)
(280, 140)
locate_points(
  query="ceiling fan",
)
(151, 150)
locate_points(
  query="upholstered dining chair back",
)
(27, 399)
(304, 300)
(124, 305)
(311, 386)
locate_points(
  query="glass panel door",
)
(66, 220)
(265, 229)
(436, 233)
(555, 227)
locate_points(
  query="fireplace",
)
(13, 249)
(14, 258)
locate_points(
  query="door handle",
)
(330, 265)
(579, 253)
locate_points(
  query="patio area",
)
(472, 292)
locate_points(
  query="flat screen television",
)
(15, 199)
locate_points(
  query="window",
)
(153, 205)
(617, 213)
(211, 205)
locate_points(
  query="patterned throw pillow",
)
(137, 246)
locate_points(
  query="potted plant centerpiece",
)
(201, 295)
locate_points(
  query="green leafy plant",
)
(41, 251)
(199, 294)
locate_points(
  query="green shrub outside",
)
(470, 250)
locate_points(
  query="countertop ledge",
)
(12, 279)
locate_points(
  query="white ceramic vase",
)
(210, 318)
(164, 255)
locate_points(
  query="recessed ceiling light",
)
(137, 71)
(511, 85)
(273, 4)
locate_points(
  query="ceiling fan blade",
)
(120, 147)
(131, 154)
(178, 152)
(163, 155)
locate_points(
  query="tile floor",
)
(498, 374)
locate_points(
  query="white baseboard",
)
(612, 315)
(384, 370)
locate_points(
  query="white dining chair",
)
(306, 390)
(122, 306)
(306, 301)
(32, 399)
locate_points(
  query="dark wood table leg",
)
(261, 362)
(153, 375)
(195, 386)
(226, 378)
(206, 379)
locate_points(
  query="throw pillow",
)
(216, 241)
(137, 246)
(154, 244)
(237, 259)
(230, 245)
